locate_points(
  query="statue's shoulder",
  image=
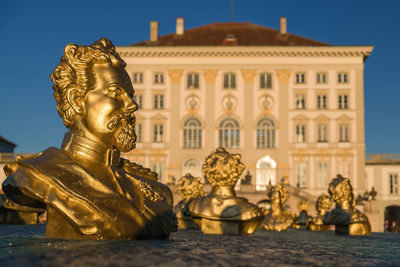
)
(139, 170)
(148, 181)
(35, 160)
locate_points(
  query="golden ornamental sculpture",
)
(346, 218)
(322, 206)
(188, 187)
(222, 212)
(89, 191)
(302, 221)
(277, 218)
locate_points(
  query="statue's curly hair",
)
(190, 187)
(222, 168)
(323, 202)
(282, 191)
(340, 189)
(303, 205)
(75, 72)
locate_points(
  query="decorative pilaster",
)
(210, 75)
(175, 75)
(283, 75)
(249, 75)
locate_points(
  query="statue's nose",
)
(130, 104)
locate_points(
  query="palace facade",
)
(289, 105)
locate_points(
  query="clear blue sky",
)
(34, 33)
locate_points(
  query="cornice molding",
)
(248, 51)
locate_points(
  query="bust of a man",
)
(188, 187)
(346, 218)
(88, 190)
(277, 218)
(322, 206)
(302, 221)
(221, 211)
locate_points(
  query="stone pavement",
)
(27, 246)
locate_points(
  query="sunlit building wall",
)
(291, 106)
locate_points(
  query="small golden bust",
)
(188, 187)
(222, 212)
(322, 206)
(346, 218)
(277, 218)
(88, 190)
(302, 221)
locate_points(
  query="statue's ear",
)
(75, 100)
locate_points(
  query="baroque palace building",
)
(289, 105)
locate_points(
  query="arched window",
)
(192, 133)
(265, 133)
(229, 133)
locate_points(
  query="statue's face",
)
(109, 108)
(341, 193)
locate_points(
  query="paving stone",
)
(27, 246)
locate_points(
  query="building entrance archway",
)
(392, 218)
(265, 173)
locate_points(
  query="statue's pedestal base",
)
(187, 223)
(226, 227)
(321, 227)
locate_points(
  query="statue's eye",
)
(114, 91)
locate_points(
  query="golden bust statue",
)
(346, 218)
(277, 218)
(188, 187)
(88, 190)
(302, 221)
(222, 212)
(322, 206)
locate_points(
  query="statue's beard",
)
(124, 138)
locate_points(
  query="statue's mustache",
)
(129, 117)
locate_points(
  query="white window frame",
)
(192, 133)
(343, 101)
(139, 132)
(137, 77)
(343, 77)
(322, 133)
(158, 78)
(322, 101)
(300, 101)
(158, 133)
(229, 81)
(321, 78)
(322, 175)
(265, 133)
(394, 183)
(192, 80)
(301, 174)
(139, 100)
(158, 102)
(300, 132)
(344, 133)
(300, 78)
(229, 133)
(158, 168)
(266, 80)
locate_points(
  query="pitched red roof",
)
(231, 33)
(2, 139)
